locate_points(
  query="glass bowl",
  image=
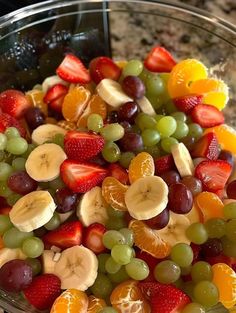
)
(34, 39)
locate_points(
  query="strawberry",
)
(65, 236)
(82, 146)
(104, 67)
(7, 120)
(206, 147)
(73, 70)
(43, 291)
(117, 171)
(207, 115)
(14, 103)
(188, 102)
(163, 164)
(159, 60)
(92, 237)
(81, 177)
(55, 96)
(213, 174)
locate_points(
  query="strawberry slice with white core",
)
(159, 60)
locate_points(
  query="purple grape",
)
(126, 125)
(180, 199)
(231, 190)
(34, 117)
(133, 87)
(170, 177)
(66, 200)
(189, 142)
(20, 182)
(128, 112)
(112, 117)
(227, 156)
(131, 142)
(193, 184)
(160, 221)
(212, 247)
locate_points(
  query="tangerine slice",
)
(142, 165)
(128, 298)
(114, 193)
(36, 99)
(67, 125)
(71, 301)
(210, 205)
(121, 63)
(224, 277)
(184, 73)
(95, 304)
(75, 103)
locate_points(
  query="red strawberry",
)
(213, 174)
(207, 115)
(188, 102)
(65, 236)
(81, 177)
(55, 96)
(43, 291)
(92, 237)
(159, 60)
(7, 120)
(73, 70)
(14, 103)
(82, 146)
(103, 67)
(117, 171)
(206, 147)
(163, 164)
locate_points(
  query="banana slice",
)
(77, 268)
(194, 215)
(111, 92)
(182, 159)
(146, 106)
(92, 207)
(43, 163)
(146, 197)
(32, 210)
(45, 133)
(51, 81)
(7, 254)
(48, 261)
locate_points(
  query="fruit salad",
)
(118, 189)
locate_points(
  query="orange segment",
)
(114, 193)
(1, 243)
(210, 205)
(142, 165)
(128, 298)
(224, 278)
(36, 99)
(95, 304)
(67, 125)
(121, 63)
(71, 301)
(75, 103)
(184, 73)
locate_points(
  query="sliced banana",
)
(43, 163)
(48, 263)
(146, 106)
(92, 207)
(146, 197)
(111, 92)
(51, 81)
(77, 268)
(182, 159)
(7, 254)
(32, 210)
(45, 133)
(193, 215)
(65, 216)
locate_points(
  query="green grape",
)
(12, 132)
(231, 230)
(153, 150)
(197, 233)
(119, 276)
(112, 266)
(206, 293)
(5, 171)
(102, 258)
(13, 237)
(108, 309)
(230, 210)
(54, 222)
(229, 247)
(95, 122)
(30, 148)
(170, 107)
(13, 198)
(166, 126)
(195, 130)
(18, 164)
(4, 190)
(2, 155)
(156, 101)
(102, 286)
(155, 85)
(133, 68)
(5, 223)
(111, 152)
(116, 223)
(51, 191)
(150, 137)
(179, 283)
(126, 158)
(158, 117)
(122, 253)
(112, 238)
(137, 269)
(56, 184)
(167, 272)
(44, 185)
(35, 264)
(3, 141)
(135, 129)
(128, 235)
(112, 132)
(215, 227)
(193, 308)
(181, 130)
(182, 254)
(33, 247)
(114, 213)
(188, 288)
(58, 139)
(179, 116)
(144, 120)
(17, 145)
(167, 143)
(144, 74)
(201, 271)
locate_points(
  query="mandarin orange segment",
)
(67, 125)
(71, 301)
(184, 73)
(75, 103)
(142, 165)
(224, 277)
(121, 63)
(210, 205)
(95, 304)
(36, 99)
(128, 298)
(114, 193)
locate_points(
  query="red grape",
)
(231, 190)
(227, 156)
(160, 221)
(20, 182)
(66, 200)
(212, 247)
(112, 117)
(189, 142)
(126, 125)
(131, 142)
(128, 112)
(180, 199)
(34, 117)
(193, 184)
(170, 177)
(133, 87)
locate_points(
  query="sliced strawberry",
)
(55, 96)
(104, 67)
(43, 291)
(14, 103)
(207, 115)
(56, 105)
(7, 120)
(81, 177)
(65, 236)
(159, 60)
(73, 70)
(163, 164)
(206, 147)
(117, 171)
(213, 174)
(82, 146)
(188, 102)
(92, 237)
